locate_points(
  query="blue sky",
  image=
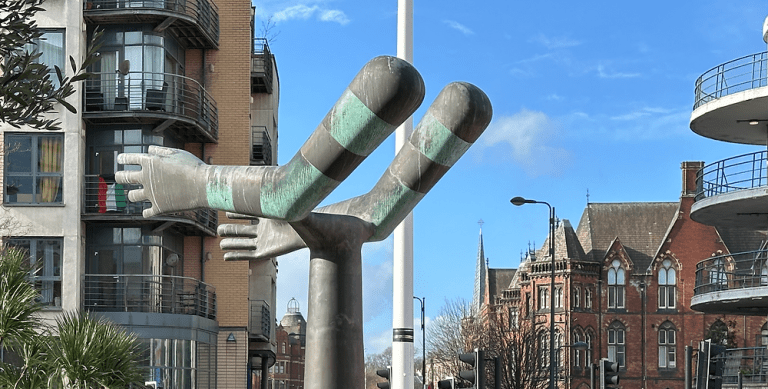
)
(589, 97)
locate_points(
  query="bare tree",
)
(458, 329)
(375, 362)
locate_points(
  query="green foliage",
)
(27, 92)
(87, 352)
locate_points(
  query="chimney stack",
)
(690, 170)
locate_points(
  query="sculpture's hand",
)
(266, 239)
(169, 178)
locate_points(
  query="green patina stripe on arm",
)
(355, 126)
(391, 209)
(438, 143)
(218, 190)
(300, 189)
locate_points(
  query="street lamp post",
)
(423, 344)
(518, 201)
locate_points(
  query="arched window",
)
(577, 357)
(559, 348)
(667, 285)
(617, 344)
(763, 341)
(588, 352)
(543, 297)
(616, 281)
(667, 346)
(576, 297)
(543, 351)
(588, 298)
(559, 297)
(718, 333)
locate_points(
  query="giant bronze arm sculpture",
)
(284, 198)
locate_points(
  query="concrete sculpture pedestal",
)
(383, 94)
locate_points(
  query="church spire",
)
(480, 274)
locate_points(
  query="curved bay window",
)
(125, 269)
(667, 285)
(178, 363)
(616, 281)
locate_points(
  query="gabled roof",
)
(498, 281)
(567, 244)
(641, 227)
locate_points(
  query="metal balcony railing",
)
(732, 271)
(168, 96)
(261, 67)
(259, 321)
(148, 293)
(261, 146)
(741, 172)
(738, 75)
(202, 15)
(751, 362)
(105, 197)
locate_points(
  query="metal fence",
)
(203, 12)
(738, 75)
(746, 171)
(105, 196)
(732, 271)
(153, 92)
(261, 146)
(751, 362)
(148, 293)
(259, 321)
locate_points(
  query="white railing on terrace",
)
(732, 271)
(738, 75)
(746, 171)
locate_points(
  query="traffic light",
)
(476, 376)
(609, 374)
(448, 383)
(384, 373)
(709, 372)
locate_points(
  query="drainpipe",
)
(644, 326)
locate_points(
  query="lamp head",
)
(520, 201)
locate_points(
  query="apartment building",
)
(177, 73)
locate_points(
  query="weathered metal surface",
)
(383, 95)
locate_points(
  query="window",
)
(717, 276)
(588, 352)
(576, 297)
(283, 347)
(33, 168)
(667, 349)
(667, 288)
(616, 344)
(45, 258)
(558, 297)
(543, 350)
(543, 298)
(577, 353)
(514, 318)
(50, 45)
(588, 298)
(616, 285)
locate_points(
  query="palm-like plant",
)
(91, 351)
(18, 298)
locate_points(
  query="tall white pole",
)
(402, 274)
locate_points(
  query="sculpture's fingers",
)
(131, 158)
(149, 212)
(237, 230)
(160, 150)
(129, 176)
(137, 195)
(238, 244)
(242, 256)
(241, 216)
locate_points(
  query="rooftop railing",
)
(148, 293)
(106, 197)
(158, 94)
(746, 171)
(738, 75)
(202, 13)
(732, 271)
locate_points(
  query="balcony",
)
(261, 67)
(733, 192)
(148, 294)
(730, 96)
(732, 284)
(194, 22)
(105, 200)
(171, 102)
(751, 362)
(259, 321)
(261, 146)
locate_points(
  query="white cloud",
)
(531, 136)
(304, 12)
(459, 27)
(603, 73)
(555, 42)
